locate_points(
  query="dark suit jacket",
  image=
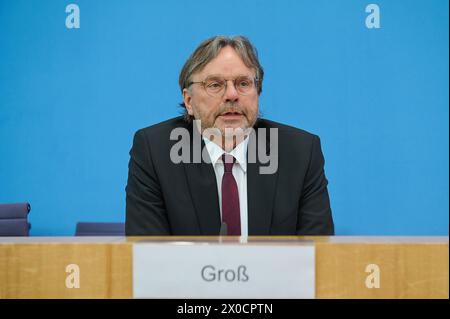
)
(163, 198)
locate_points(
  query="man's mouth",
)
(231, 115)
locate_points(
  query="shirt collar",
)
(239, 152)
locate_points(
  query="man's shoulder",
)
(293, 143)
(285, 130)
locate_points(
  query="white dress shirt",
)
(239, 172)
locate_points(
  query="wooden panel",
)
(39, 270)
(406, 270)
(410, 267)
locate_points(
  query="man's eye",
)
(215, 85)
(244, 83)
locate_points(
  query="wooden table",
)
(409, 267)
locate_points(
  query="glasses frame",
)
(203, 83)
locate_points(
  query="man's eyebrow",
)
(221, 76)
(214, 76)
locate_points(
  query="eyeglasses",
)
(216, 86)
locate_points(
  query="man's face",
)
(230, 109)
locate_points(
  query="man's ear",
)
(187, 98)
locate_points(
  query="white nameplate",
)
(231, 270)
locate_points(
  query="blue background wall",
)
(71, 99)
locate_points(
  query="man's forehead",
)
(226, 63)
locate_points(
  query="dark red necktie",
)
(230, 198)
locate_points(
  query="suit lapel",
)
(260, 192)
(202, 184)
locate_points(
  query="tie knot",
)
(228, 161)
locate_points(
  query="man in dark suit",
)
(264, 178)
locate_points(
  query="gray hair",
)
(209, 49)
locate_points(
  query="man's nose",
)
(231, 94)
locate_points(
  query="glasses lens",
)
(244, 84)
(214, 85)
